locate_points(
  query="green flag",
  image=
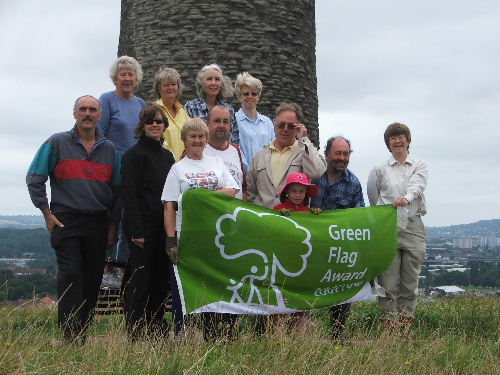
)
(237, 257)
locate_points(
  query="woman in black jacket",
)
(144, 169)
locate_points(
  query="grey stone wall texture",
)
(273, 40)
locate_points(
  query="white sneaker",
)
(111, 280)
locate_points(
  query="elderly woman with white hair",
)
(120, 111)
(168, 87)
(213, 88)
(256, 130)
(120, 108)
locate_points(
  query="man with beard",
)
(339, 188)
(219, 129)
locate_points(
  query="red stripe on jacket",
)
(83, 169)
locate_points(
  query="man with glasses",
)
(84, 171)
(219, 129)
(339, 188)
(291, 151)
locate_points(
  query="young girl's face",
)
(296, 193)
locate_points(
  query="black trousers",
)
(178, 318)
(147, 286)
(338, 316)
(215, 326)
(80, 248)
(218, 326)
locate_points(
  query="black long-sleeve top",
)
(144, 169)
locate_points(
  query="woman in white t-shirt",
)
(193, 171)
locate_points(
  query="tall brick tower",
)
(274, 40)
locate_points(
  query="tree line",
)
(479, 274)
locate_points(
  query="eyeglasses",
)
(158, 121)
(224, 121)
(90, 109)
(249, 94)
(288, 125)
(397, 137)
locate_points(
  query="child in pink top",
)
(295, 196)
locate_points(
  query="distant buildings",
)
(450, 289)
(474, 242)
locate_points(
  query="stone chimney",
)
(274, 40)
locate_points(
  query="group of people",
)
(117, 178)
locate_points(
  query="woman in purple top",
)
(120, 111)
(120, 108)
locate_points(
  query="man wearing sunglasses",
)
(291, 151)
(84, 171)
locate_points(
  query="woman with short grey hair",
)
(120, 111)
(120, 108)
(168, 87)
(256, 130)
(213, 88)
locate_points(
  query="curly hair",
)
(195, 124)
(166, 75)
(125, 62)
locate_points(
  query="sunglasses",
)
(283, 125)
(158, 121)
(248, 94)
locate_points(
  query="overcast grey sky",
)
(433, 65)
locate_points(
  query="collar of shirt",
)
(347, 175)
(408, 160)
(177, 105)
(99, 136)
(291, 148)
(241, 115)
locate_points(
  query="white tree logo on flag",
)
(271, 264)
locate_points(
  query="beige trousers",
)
(400, 280)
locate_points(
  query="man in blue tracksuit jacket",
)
(84, 171)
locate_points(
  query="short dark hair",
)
(219, 106)
(149, 113)
(394, 130)
(330, 141)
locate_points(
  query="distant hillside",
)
(16, 243)
(483, 228)
(22, 221)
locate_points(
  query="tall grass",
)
(450, 336)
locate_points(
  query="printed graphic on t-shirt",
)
(205, 180)
(235, 171)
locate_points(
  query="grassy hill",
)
(450, 336)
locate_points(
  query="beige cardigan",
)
(304, 159)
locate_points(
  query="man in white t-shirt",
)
(219, 129)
